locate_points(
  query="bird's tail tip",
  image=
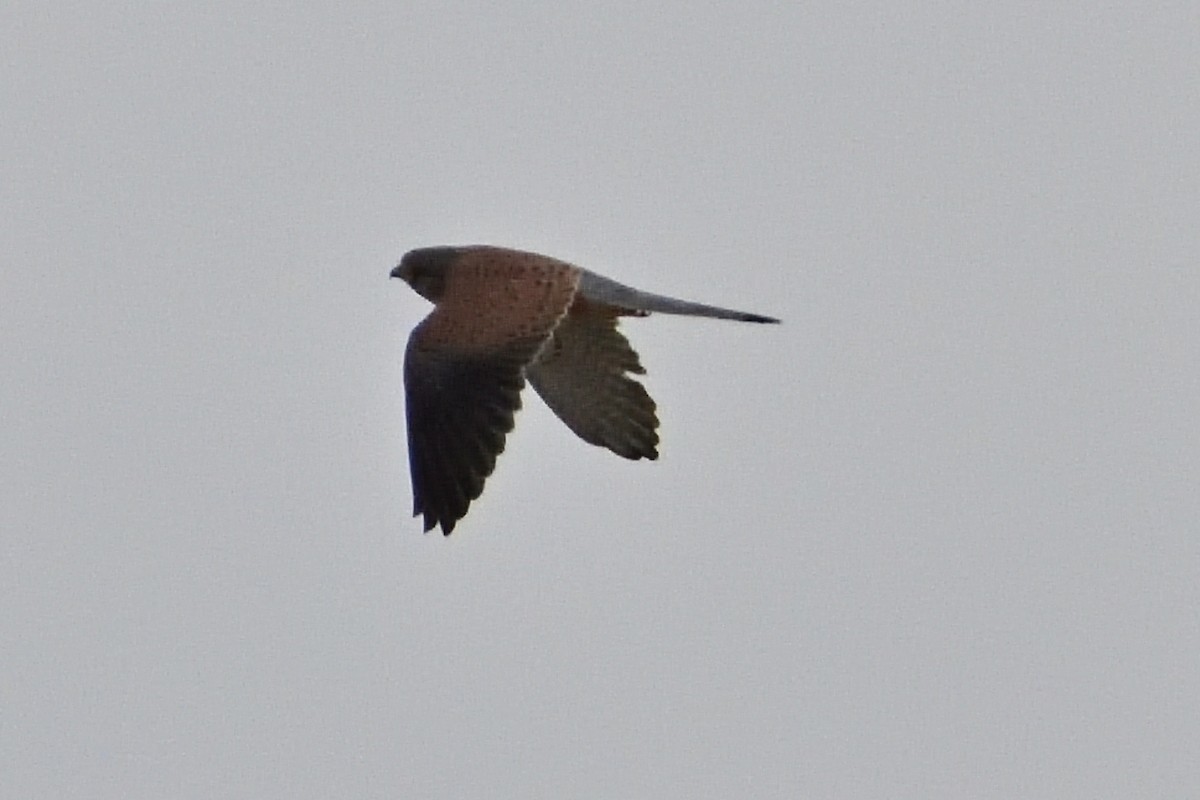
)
(759, 318)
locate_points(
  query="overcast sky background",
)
(937, 535)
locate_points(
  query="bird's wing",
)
(581, 374)
(464, 371)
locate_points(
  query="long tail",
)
(599, 289)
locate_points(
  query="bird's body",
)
(503, 316)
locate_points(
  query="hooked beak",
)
(398, 272)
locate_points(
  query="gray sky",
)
(938, 535)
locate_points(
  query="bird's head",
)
(425, 270)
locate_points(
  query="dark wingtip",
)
(760, 318)
(431, 520)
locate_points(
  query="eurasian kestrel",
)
(502, 316)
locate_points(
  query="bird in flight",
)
(503, 316)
